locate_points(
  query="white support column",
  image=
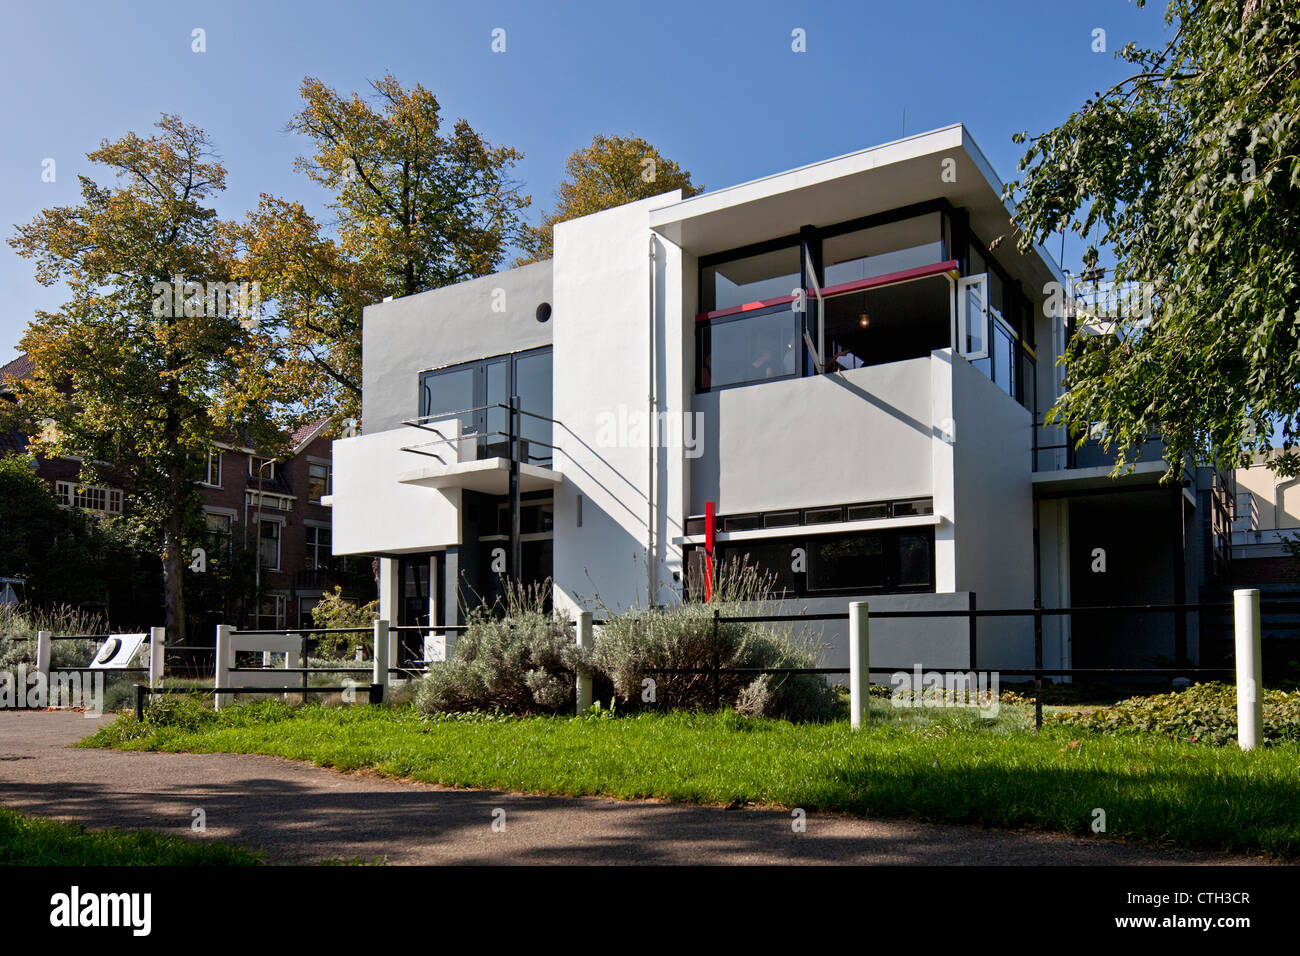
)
(859, 665)
(225, 659)
(1250, 668)
(381, 655)
(44, 643)
(586, 641)
(157, 644)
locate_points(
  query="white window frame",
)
(980, 283)
(78, 496)
(279, 542)
(281, 618)
(207, 478)
(260, 471)
(329, 478)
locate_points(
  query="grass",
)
(944, 766)
(35, 841)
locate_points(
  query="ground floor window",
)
(888, 561)
(271, 613)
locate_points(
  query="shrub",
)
(19, 624)
(631, 646)
(1204, 713)
(334, 611)
(521, 663)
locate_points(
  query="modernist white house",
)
(838, 368)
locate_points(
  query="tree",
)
(91, 562)
(153, 355)
(612, 171)
(1189, 169)
(418, 207)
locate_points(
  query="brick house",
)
(271, 505)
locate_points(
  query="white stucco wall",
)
(861, 435)
(601, 372)
(994, 518)
(374, 513)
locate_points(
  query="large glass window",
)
(478, 390)
(450, 390)
(887, 324)
(886, 561)
(751, 347)
(768, 275)
(880, 250)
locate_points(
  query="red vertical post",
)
(710, 520)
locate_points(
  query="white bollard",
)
(225, 659)
(289, 658)
(1250, 668)
(44, 643)
(381, 657)
(586, 641)
(157, 644)
(859, 665)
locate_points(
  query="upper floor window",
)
(269, 534)
(212, 469)
(884, 249)
(862, 293)
(89, 497)
(754, 278)
(319, 481)
(261, 467)
(478, 392)
(318, 548)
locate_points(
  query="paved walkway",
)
(299, 813)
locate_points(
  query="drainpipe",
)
(652, 439)
(1277, 500)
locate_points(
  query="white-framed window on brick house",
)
(261, 467)
(271, 613)
(212, 470)
(319, 548)
(219, 525)
(89, 497)
(270, 532)
(320, 479)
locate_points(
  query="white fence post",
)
(225, 660)
(859, 666)
(1250, 668)
(43, 645)
(586, 641)
(381, 657)
(157, 643)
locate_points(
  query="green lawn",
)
(35, 841)
(944, 766)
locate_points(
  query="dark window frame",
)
(480, 400)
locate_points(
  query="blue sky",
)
(714, 86)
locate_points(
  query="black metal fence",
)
(973, 614)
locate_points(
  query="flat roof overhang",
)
(870, 181)
(490, 476)
(1145, 476)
